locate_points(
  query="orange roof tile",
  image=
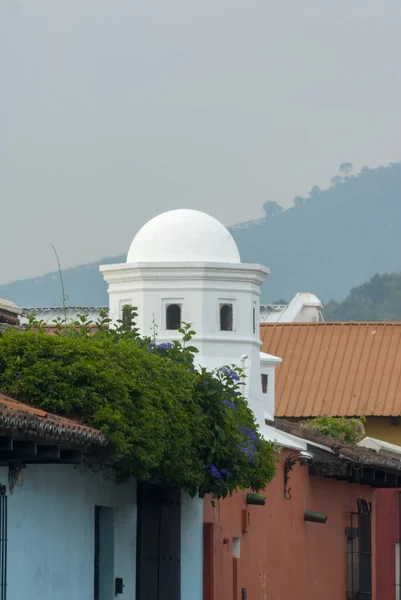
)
(16, 415)
(339, 369)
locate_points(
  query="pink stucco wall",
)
(281, 557)
(387, 533)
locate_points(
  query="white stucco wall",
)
(200, 289)
(191, 548)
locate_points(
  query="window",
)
(264, 383)
(173, 316)
(226, 317)
(359, 553)
(3, 542)
(397, 571)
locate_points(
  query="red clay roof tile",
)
(348, 369)
(23, 417)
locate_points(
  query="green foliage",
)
(347, 430)
(379, 299)
(164, 419)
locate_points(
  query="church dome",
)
(183, 236)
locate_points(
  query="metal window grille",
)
(359, 553)
(3, 543)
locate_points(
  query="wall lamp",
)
(303, 458)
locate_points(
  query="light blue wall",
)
(51, 532)
(191, 548)
(51, 519)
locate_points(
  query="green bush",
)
(347, 430)
(164, 419)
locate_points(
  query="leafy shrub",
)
(351, 431)
(165, 419)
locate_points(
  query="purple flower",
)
(230, 373)
(248, 451)
(226, 473)
(252, 435)
(229, 404)
(165, 346)
(214, 472)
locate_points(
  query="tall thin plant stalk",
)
(63, 295)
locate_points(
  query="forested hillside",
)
(331, 241)
(377, 300)
(327, 243)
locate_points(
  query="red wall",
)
(282, 557)
(387, 532)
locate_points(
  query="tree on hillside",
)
(336, 180)
(315, 191)
(346, 168)
(379, 299)
(298, 201)
(271, 208)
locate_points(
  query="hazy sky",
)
(112, 111)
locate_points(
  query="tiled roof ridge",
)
(342, 449)
(21, 416)
(308, 434)
(331, 323)
(49, 308)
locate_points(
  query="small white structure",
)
(184, 266)
(303, 308)
(268, 364)
(381, 447)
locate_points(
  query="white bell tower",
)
(184, 266)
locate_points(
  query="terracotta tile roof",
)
(38, 423)
(356, 454)
(348, 369)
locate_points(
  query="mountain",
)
(332, 240)
(379, 299)
(326, 243)
(84, 286)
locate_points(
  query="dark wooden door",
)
(159, 543)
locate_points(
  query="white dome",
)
(183, 236)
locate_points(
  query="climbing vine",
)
(165, 418)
